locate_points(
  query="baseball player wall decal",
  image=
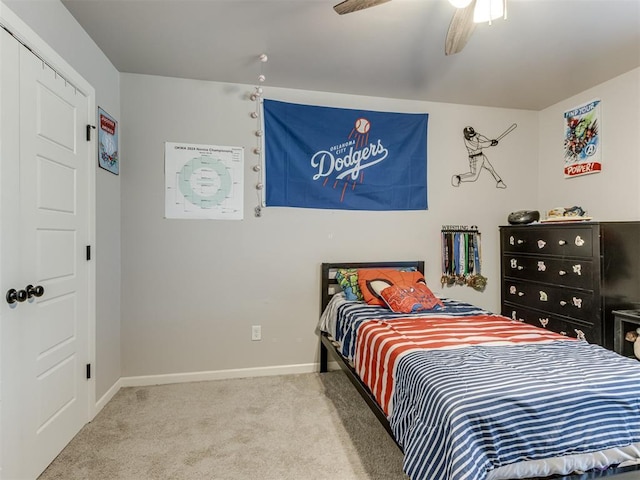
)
(476, 143)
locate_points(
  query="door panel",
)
(60, 326)
(56, 186)
(58, 388)
(54, 116)
(56, 254)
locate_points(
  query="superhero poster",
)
(582, 154)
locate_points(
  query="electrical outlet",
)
(256, 332)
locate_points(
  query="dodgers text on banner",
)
(336, 158)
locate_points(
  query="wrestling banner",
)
(336, 158)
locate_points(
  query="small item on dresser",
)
(523, 217)
(633, 336)
(567, 214)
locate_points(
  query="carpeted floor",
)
(294, 427)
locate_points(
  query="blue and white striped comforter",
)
(461, 413)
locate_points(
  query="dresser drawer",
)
(571, 273)
(558, 300)
(560, 325)
(574, 242)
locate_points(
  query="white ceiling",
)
(546, 50)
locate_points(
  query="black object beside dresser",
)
(569, 277)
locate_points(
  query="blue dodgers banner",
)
(336, 158)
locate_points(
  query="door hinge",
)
(88, 252)
(88, 371)
(89, 127)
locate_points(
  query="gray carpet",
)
(293, 427)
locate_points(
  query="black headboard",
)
(331, 287)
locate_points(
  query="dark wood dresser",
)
(569, 277)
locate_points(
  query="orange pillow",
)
(407, 299)
(372, 281)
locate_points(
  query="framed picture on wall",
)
(108, 157)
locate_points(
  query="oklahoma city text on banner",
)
(323, 157)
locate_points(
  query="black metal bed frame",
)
(330, 287)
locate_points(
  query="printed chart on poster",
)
(203, 181)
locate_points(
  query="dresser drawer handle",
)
(562, 272)
(562, 242)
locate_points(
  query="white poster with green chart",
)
(203, 181)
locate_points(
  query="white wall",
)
(193, 288)
(56, 26)
(613, 194)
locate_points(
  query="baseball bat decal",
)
(507, 131)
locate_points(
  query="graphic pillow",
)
(373, 281)
(413, 298)
(347, 278)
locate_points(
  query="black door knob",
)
(14, 296)
(32, 291)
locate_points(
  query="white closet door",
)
(45, 230)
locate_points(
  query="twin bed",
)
(469, 395)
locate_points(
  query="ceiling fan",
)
(462, 24)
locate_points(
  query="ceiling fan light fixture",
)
(460, 3)
(488, 10)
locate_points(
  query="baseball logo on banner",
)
(362, 125)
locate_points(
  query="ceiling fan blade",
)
(349, 6)
(460, 29)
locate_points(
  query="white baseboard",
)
(107, 396)
(146, 380)
(218, 375)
